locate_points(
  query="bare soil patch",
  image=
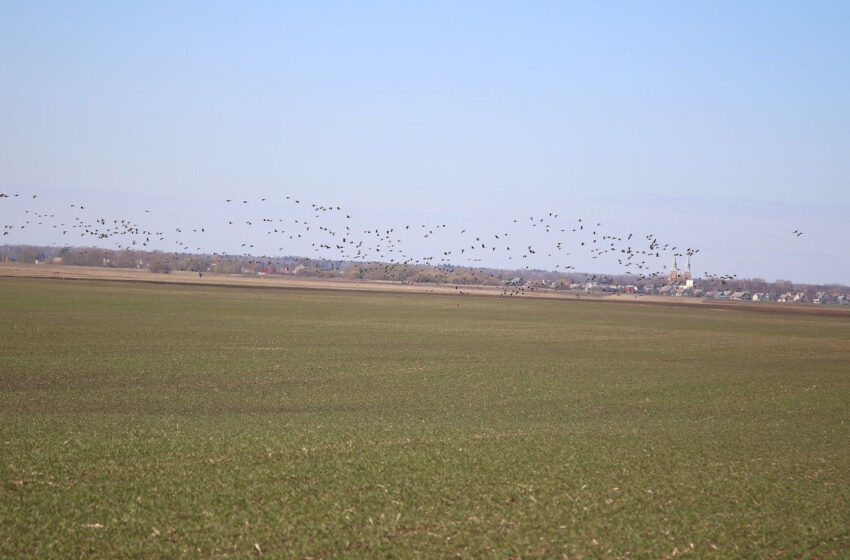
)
(64, 272)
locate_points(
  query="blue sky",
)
(723, 126)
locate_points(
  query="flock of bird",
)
(333, 235)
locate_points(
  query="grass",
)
(178, 421)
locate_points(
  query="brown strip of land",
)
(65, 272)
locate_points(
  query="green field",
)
(178, 421)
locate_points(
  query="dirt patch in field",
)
(63, 272)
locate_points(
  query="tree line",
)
(163, 263)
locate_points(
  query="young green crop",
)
(179, 421)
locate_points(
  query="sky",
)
(721, 126)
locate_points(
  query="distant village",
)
(682, 284)
(677, 283)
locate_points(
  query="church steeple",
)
(683, 277)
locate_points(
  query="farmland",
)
(172, 420)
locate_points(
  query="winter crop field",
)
(198, 421)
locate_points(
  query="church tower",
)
(674, 272)
(688, 269)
